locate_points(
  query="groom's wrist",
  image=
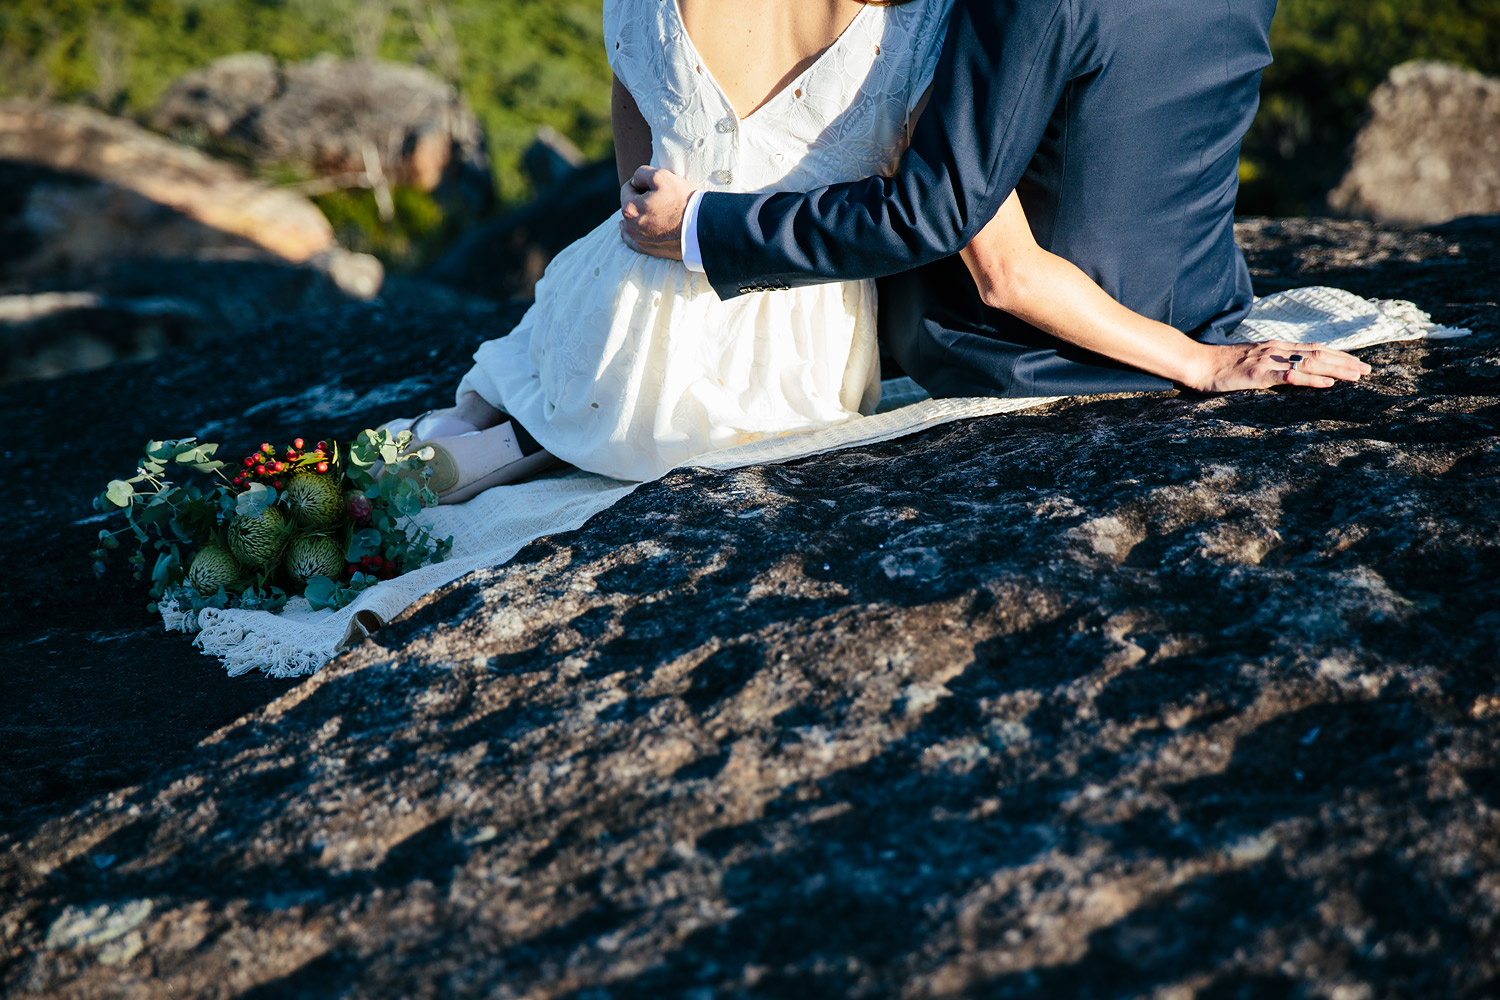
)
(692, 254)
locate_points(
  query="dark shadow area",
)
(1196, 928)
(95, 696)
(328, 975)
(505, 258)
(1296, 761)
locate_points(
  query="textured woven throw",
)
(490, 529)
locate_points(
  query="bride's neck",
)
(755, 49)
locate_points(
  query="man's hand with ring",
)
(652, 204)
(1276, 362)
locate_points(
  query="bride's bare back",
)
(754, 48)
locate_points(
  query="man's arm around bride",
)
(1054, 111)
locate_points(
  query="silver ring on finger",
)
(1294, 361)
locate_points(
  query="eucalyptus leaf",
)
(161, 451)
(320, 592)
(167, 565)
(256, 498)
(364, 543)
(364, 450)
(155, 513)
(119, 493)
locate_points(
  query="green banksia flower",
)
(256, 541)
(314, 500)
(314, 555)
(214, 568)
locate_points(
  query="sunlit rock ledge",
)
(1154, 695)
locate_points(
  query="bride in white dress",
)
(628, 365)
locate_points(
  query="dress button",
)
(722, 177)
(727, 125)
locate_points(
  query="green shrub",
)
(520, 63)
(416, 235)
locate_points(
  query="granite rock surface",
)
(1159, 696)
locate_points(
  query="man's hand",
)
(1261, 366)
(652, 204)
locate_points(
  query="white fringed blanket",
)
(494, 526)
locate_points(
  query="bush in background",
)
(1330, 55)
(522, 63)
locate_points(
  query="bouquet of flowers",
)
(324, 522)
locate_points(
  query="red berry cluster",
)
(377, 566)
(264, 466)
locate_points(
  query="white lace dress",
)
(627, 365)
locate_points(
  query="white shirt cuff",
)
(692, 256)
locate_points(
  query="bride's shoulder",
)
(928, 23)
(920, 11)
(634, 30)
(620, 14)
(920, 19)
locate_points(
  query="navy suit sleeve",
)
(1004, 67)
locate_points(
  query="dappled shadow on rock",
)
(1170, 695)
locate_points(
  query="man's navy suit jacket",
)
(1118, 122)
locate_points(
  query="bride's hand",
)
(652, 204)
(1261, 366)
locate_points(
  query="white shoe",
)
(465, 465)
(432, 424)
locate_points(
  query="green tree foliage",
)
(525, 62)
(1330, 55)
(520, 63)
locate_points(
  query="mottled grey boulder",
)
(1430, 151)
(172, 199)
(127, 244)
(387, 122)
(1160, 695)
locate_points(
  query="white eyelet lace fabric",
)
(628, 366)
